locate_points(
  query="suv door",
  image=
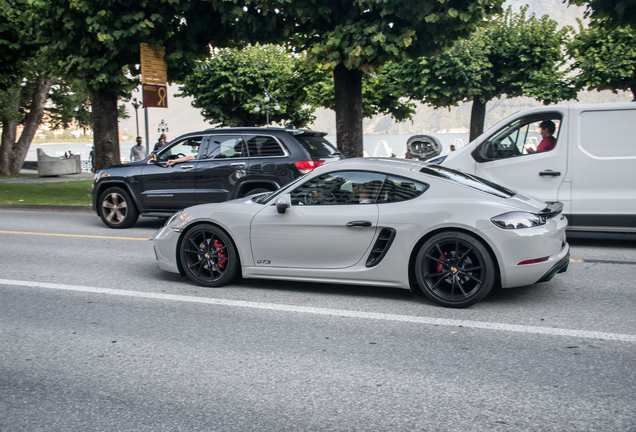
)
(222, 166)
(170, 188)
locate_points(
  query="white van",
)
(591, 168)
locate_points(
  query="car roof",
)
(394, 165)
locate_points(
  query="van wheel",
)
(117, 209)
(454, 269)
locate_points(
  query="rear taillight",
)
(307, 166)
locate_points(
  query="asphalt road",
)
(94, 337)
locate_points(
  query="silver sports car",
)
(369, 221)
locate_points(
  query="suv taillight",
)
(307, 166)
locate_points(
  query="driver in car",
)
(546, 129)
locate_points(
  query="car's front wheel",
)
(208, 256)
(454, 269)
(116, 208)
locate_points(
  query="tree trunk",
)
(477, 118)
(348, 103)
(32, 122)
(8, 136)
(105, 129)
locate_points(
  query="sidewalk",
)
(51, 208)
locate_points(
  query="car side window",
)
(524, 136)
(264, 146)
(396, 189)
(187, 147)
(224, 146)
(345, 187)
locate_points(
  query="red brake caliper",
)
(439, 267)
(219, 245)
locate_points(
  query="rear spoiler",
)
(553, 209)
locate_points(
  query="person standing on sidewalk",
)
(137, 153)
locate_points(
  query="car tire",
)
(454, 269)
(208, 256)
(117, 209)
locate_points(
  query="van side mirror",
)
(283, 203)
(485, 152)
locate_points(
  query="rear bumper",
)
(559, 267)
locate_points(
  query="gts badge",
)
(263, 262)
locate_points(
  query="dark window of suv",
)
(317, 146)
(224, 146)
(186, 147)
(264, 146)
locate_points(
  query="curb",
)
(49, 208)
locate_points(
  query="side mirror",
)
(485, 152)
(283, 203)
(153, 157)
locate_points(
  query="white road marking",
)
(333, 312)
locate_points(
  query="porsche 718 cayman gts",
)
(378, 222)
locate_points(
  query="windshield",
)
(468, 180)
(264, 199)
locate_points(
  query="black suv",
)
(226, 163)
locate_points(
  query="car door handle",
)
(238, 164)
(186, 166)
(549, 173)
(359, 224)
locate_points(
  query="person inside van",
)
(546, 129)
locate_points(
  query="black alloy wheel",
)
(454, 269)
(117, 209)
(208, 256)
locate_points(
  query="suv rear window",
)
(468, 180)
(317, 146)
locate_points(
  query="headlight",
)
(173, 217)
(518, 220)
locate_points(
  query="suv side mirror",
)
(153, 157)
(283, 203)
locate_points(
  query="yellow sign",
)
(153, 66)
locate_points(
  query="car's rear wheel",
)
(454, 269)
(117, 209)
(208, 256)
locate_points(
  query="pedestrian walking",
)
(137, 153)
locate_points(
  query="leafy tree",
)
(606, 58)
(97, 43)
(24, 85)
(228, 85)
(353, 37)
(609, 13)
(512, 56)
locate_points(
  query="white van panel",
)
(604, 166)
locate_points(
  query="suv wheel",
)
(117, 209)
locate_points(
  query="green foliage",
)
(606, 58)
(228, 86)
(514, 56)
(365, 34)
(609, 13)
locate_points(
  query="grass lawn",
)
(55, 193)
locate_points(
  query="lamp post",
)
(136, 104)
(163, 127)
(266, 98)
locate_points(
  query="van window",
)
(524, 136)
(594, 137)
